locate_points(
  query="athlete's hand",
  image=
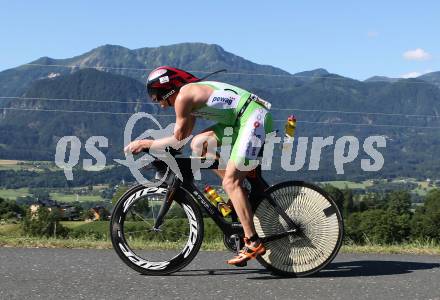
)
(138, 146)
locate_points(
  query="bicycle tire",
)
(320, 223)
(119, 231)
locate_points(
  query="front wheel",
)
(156, 251)
(320, 229)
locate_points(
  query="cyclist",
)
(229, 106)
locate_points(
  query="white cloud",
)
(415, 74)
(411, 75)
(416, 54)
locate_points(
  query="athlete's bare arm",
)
(189, 96)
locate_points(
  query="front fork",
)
(166, 204)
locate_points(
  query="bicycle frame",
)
(256, 195)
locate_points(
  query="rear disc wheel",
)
(320, 229)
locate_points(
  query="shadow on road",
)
(365, 268)
(373, 268)
(337, 269)
(213, 272)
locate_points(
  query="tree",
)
(39, 194)
(378, 226)
(44, 222)
(399, 202)
(118, 194)
(9, 210)
(426, 221)
(352, 231)
(348, 203)
(343, 199)
(371, 201)
(336, 194)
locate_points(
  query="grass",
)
(409, 248)
(100, 229)
(10, 236)
(31, 242)
(72, 224)
(85, 243)
(11, 230)
(100, 187)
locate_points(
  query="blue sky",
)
(351, 38)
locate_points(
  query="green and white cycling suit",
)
(223, 106)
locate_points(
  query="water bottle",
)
(217, 201)
(289, 128)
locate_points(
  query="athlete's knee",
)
(230, 182)
(197, 145)
(204, 144)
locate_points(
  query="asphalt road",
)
(99, 274)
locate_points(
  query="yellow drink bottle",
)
(289, 128)
(217, 201)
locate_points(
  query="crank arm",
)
(282, 213)
(278, 236)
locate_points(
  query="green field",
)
(98, 226)
(423, 188)
(13, 194)
(9, 165)
(349, 184)
(72, 197)
(35, 166)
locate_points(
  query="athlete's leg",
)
(232, 184)
(255, 123)
(199, 144)
(249, 140)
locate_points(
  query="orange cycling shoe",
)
(247, 253)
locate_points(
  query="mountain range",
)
(325, 103)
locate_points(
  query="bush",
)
(212, 232)
(91, 230)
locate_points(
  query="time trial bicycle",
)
(298, 222)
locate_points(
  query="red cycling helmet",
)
(165, 81)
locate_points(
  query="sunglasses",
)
(156, 99)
